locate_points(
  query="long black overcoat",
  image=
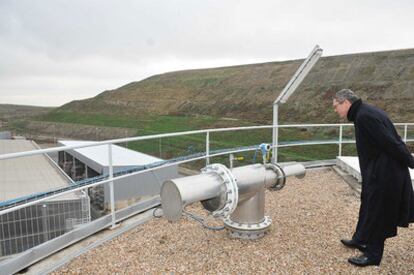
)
(387, 198)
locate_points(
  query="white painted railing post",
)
(111, 185)
(275, 133)
(207, 148)
(340, 140)
(405, 132)
(159, 147)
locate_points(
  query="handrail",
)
(206, 156)
(122, 140)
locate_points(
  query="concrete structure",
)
(351, 165)
(93, 161)
(24, 178)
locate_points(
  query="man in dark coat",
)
(387, 199)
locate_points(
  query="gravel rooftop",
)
(309, 216)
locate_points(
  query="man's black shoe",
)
(362, 260)
(354, 244)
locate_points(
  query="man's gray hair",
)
(345, 94)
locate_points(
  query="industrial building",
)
(89, 162)
(26, 177)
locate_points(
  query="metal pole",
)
(405, 133)
(289, 89)
(159, 147)
(73, 168)
(111, 185)
(275, 133)
(207, 148)
(340, 141)
(126, 142)
(54, 133)
(44, 223)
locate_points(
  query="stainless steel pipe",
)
(177, 193)
(236, 195)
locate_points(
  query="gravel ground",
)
(309, 216)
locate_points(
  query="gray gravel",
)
(309, 216)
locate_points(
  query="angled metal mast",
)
(289, 89)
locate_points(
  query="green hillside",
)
(246, 92)
(236, 96)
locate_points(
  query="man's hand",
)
(411, 161)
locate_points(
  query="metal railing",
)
(340, 141)
(116, 216)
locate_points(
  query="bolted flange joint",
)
(232, 192)
(281, 177)
(248, 231)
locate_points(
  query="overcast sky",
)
(55, 51)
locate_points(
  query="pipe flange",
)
(232, 191)
(281, 177)
(248, 231)
(248, 226)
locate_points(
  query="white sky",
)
(55, 51)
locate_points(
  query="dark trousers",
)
(375, 250)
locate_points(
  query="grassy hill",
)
(9, 111)
(12, 117)
(247, 92)
(238, 96)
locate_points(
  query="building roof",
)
(120, 156)
(309, 217)
(26, 175)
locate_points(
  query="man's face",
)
(341, 108)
